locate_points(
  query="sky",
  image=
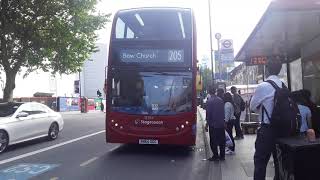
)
(234, 19)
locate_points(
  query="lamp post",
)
(218, 37)
(211, 50)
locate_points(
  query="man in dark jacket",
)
(215, 123)
(237, 99)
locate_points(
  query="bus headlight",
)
(116, 125)
(187, 122)
(177, 129)
(112, 121)
(182, 126)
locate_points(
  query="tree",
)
(52, 35)
(207, 78)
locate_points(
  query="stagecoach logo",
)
(147, 123)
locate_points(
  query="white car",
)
(20, 122)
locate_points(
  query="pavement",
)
(239, 166)
(81, 153)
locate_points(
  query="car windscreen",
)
(151, 93)
(8, 109)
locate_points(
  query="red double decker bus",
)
(151, 77)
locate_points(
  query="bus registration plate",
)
(148, 141)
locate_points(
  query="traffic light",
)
(77, 86)
(99, 93)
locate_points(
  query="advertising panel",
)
(97, 102)
(68, 104)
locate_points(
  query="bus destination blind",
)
(152, 55)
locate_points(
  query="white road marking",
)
(114, 148)
(88, 162)
(54, 178)
(48, 148)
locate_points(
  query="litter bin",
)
(298, 159)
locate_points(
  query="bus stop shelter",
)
(289, 29)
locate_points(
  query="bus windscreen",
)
(151, 93)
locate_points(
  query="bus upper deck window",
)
(120, 28)
(154, 25)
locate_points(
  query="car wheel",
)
(4, 140)
(53, 131)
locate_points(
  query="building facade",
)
(93, 73)
(242, 75)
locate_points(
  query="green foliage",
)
(207, 78)
(52, 35)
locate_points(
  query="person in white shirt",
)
(262, 103)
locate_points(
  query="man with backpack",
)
(239, 107)
(278, 115)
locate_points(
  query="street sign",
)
(227, 57)
(226, 44)
(226, 51)
(217, 36)
(216, 55)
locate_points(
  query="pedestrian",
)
(215, 124)
(229, 119)
(239, 106)
(304, 111)
(315, 112)
(102, 107)
(220, 93)
(262, 103)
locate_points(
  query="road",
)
(81, 153)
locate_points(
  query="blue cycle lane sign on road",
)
(25, 171)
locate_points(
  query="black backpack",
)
(286, 118)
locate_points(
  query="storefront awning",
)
(284, 29)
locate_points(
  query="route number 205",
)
(175, 55)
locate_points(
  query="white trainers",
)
(229, 152)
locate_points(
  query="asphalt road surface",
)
(80, 152)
